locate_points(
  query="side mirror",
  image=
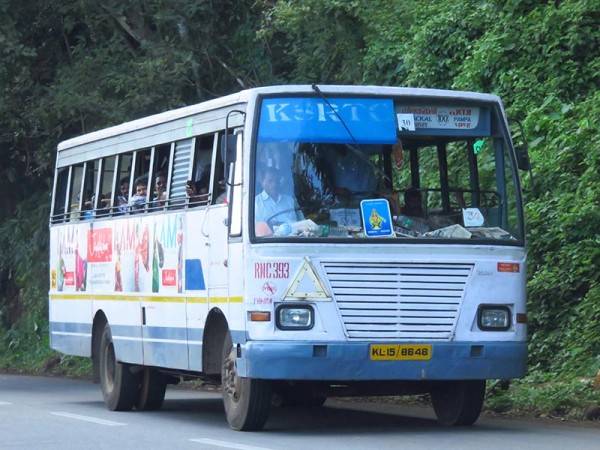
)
(521, 148)
(228, 148)
(523, 161)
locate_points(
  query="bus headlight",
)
(294, 317)
(493, 318)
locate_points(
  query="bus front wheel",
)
(246, 400)
(458, 403)
(120, 386)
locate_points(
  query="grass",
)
(31, 354)
(574, 399)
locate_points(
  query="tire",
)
(247, 401)
(458, 403)
(120, 386)
(153, 386)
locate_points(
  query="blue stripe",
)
(171, 333)
(350, 362)
(71, 327)
(239, 337)
(72, 345)
(128, 331)
(195, 334)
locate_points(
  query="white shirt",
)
(266, 207)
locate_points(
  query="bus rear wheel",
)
(246, 400)
(120, 386)
(458, 403)
(153, 386)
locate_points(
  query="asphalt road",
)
(55, 413)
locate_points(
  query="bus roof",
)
(76, 147)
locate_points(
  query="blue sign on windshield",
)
(376, 216)
(295, 119)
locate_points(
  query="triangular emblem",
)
(306, 285)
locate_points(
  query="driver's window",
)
(275, 201)
(236, 201)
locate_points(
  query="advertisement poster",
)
(70, 271)
(140, 254)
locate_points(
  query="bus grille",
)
(398, 301)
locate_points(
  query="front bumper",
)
(327, 361)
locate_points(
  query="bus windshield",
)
(364, 168)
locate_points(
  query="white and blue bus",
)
(295, 243)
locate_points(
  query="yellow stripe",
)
(130, 298)
(163, 299)
(127, 298)
(226, 300)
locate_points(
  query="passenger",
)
(138, 200)
(412, 203)
(88, 205)
(160, 181)
(271, 204)
(197, 192)
(352, 173)
(121, 200)
(392, 197)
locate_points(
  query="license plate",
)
(400, 352)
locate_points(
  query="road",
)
(55, 413)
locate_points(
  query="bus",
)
(292, 244)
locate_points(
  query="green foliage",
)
(574, 399)
(320, 41)
(564, 241)
(23, 316)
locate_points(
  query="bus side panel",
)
(237, 307)
(162, 298)
(70, 308)
(197, 266)
(68, 333)
(123, 315)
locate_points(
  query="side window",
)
(122, 191)
(106, 191)
(219, 187)
(235, 228)
(59, 209)
(89, 190)
(75, 202)
(159, 175)
(141, 167)
(182, 160)
(198, 185)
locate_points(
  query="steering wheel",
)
(270, 221)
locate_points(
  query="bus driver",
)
(271, 204)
